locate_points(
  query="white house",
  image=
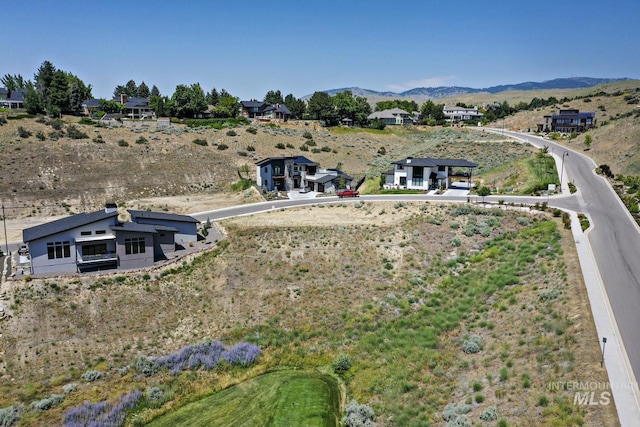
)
(426, 173)
(456, 114)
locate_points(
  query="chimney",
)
(409, 159)
(123, 98)
(110, 208)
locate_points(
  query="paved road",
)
(614, 241)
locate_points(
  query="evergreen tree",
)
(213, 97)
(131, 89)
(320, 107)
(273, 97)
(143, 91)
(57, 98)
(43, 78)
(155, 91)
(119, 90)
(32, 100)
(297, 106)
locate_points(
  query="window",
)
(418, 175)
(57, 250)
(96, 251)
(85, 233)
(134, 245)
(442, 168)
(101, 232)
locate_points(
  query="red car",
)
(348, 193)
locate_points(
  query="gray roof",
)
(161, 216)
(91, 103)
(299, 160)
(430, 162)
(64, 224)
(133, 226)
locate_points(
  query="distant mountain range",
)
(424, 93)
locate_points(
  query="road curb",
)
(622, 382)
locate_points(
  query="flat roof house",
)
(426, 173)
(99, 241)
(570, 121)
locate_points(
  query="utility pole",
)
(4, 221)
(604, 341)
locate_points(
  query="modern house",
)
(394, 116)
(327, 180)
(134, 108)
(461, 114)
(427, 173)
(99, 241)
(11, 98)
(284, 173)
(295, 172)
(264, 111)
(186, 227)
(569, 121)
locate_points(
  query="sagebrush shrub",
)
(473, 344)
(342, 362)
(358, 415)
(489, 414)
(47, 403)
(231, 132)
(68, 388)
(10, 415)
(91, 376)
(75, 133)
(146, 366)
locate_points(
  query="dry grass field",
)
(399, 287)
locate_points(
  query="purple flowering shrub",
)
(208, 355)
(102, 414)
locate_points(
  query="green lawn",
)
(282, 398)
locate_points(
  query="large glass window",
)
(96, 251)
(134, 245)
(57, 250)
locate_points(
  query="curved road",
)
(614, 238)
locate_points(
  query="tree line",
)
(54, 92)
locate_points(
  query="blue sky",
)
(250, 47)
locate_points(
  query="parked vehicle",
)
(304, 190)
(348, 193)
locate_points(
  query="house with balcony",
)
(284, 173)
(461, 114)
(393, 116)
(134, 108)
(569, 121)
(427, 173)
(264, 111)
(99, 241)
